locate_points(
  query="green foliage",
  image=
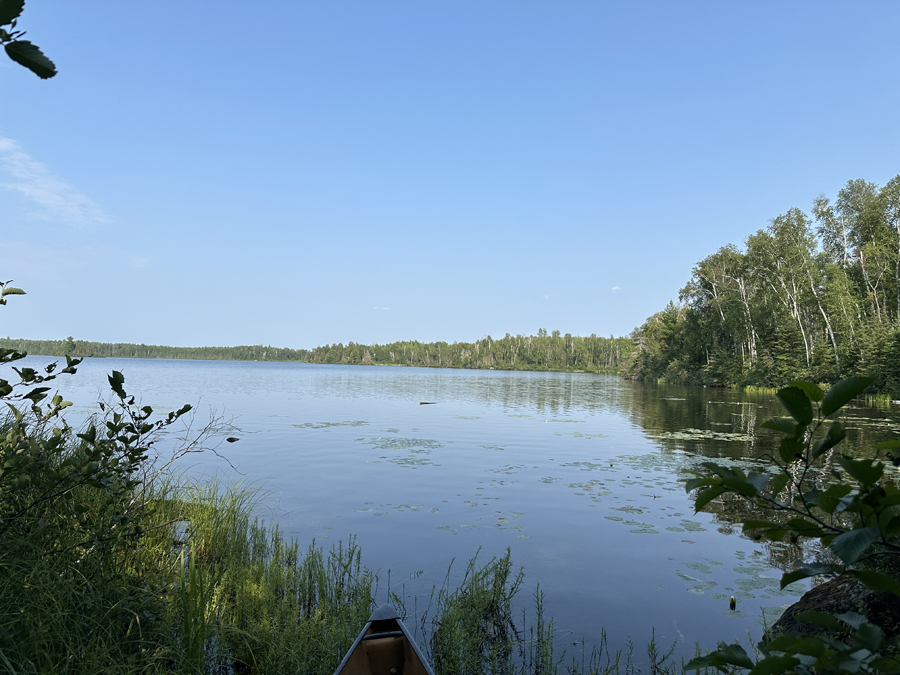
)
(808, 298)
(75, 509)
(853, 514)
(21, 51)
(473, 629)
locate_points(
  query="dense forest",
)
(544, 351)
(813, 296)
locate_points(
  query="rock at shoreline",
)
(836, 597)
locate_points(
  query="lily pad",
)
(325, 425)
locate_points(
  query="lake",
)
(581, 475)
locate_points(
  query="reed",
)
(764, 391)
(468, 628)
(878, 400)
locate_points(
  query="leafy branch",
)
(855, 517)
(23, 52)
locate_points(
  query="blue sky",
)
(300, 173)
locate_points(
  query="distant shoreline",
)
(541, 353)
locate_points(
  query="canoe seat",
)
(383, 648)
(384, 656)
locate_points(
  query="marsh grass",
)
(247, 600)
(878, 400)
(754, 389)
(207, 588)
(469, 628)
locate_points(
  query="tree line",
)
(83, 348)
(814, 296)
(544, 351)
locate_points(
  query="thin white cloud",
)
(55, 199)
(142, 261)
(616, 289)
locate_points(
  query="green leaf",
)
(776, 485)
(758, 480)
(845, 503)
(870, 636)
(843, 392)
(706, 496)
(734, 655)
(888, 445)
(741, 486)
(804, 571)
(819, 619)
(850, 545)
(893, 526)
(811, 496)
(718, 469)
(725, 655)
(835, 435)
(699, 482)
(37, 394)
(797, 644)
(790, 449)
(16, 412)
(812, 391)
(797, 403)
(852, 619)
(116, 380)
(9, 290)
(804, 527)
(782, 424)
(29, 55)
(828, 500)
(886, 665)
(10, 10)
(866, 471)
(877, 581)
(759, 524)
(90, 435)
(774, 665)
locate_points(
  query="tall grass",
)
(878, 400)
(469, 628)
(216, 590)
(754, 389)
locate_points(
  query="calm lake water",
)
(580, 475)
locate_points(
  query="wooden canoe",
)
(384, 647)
